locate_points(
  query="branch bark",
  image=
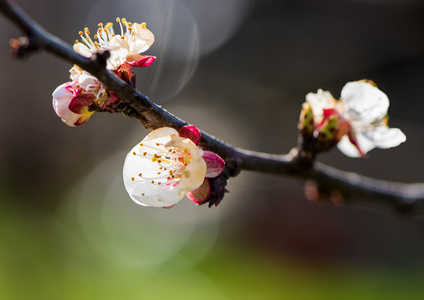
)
(338, 185)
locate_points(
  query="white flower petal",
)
(162, 132)
(88, 82)
(142, 40)
(82, 49)
(379, 137)
(384, 137)
(364, 102)
(193, 176)
(147, 194)
(119, 50)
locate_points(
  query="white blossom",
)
(127, 46)
(162, 168)
(362, 117)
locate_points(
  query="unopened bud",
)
(306, 121)
(327, 135)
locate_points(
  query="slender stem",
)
(349, 186)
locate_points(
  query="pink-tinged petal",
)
(201, 194)
(140, 61)
(171, 206)
(190, 132)
(62, 97)
(215, 164)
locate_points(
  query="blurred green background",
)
(239, 70)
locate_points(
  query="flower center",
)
(166, 166)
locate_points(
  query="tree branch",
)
(337, 185)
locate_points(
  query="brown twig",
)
(340, 186)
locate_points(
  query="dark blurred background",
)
(239, 70)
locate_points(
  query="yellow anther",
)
(95, 36)
(122, 37)
(139, 175)
(143, 25)
(118, 19)
(144, 153)
(81, 33)
(108, 25)
(134, 153)
(141, 144)
(142, 194)
(100, 24)
(76, 42)
(132, 178)
(86, 30)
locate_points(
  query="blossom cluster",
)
(168, 165)
(74, 102)
(357, 122)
